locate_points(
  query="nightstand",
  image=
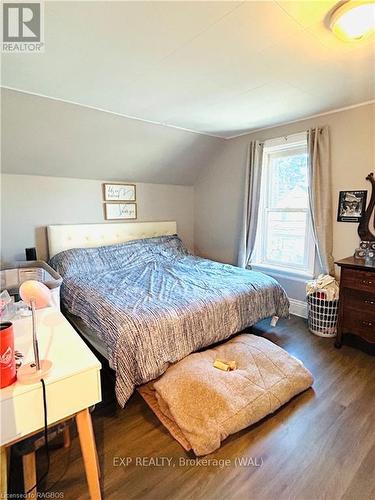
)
(357, 300)
(72, 386)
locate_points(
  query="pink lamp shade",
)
(32, 290)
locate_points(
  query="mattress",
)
(87, 333)
(152, 303)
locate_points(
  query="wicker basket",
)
(322, 314)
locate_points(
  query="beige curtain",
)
(251, 203)
(320, 196)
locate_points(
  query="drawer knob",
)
(366, 323)
(365, 282)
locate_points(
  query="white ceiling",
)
(220, 68)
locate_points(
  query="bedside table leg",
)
(4, 472)
(88, 447)
(67, 437)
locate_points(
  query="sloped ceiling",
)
(48, 137)
(219, 68)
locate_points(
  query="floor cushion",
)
(202, 405)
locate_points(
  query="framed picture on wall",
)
(352, 206)
(119, 192)
(120, 211)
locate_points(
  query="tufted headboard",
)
(62, 237)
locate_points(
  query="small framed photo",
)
(120, 211)
(119, 192)
(352, 206)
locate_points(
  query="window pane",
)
(285, 238)
(288, 181)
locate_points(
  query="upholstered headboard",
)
(62, 237)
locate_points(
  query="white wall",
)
(219, 189)
(30, 203)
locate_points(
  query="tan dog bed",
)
(201, 405)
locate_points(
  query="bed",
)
(144, 301)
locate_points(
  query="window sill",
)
(283, 272)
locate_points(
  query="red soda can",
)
(7, 358)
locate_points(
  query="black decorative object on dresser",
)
(364, 231)
(357, 300)
(366, 249)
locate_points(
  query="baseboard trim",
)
(298, 308)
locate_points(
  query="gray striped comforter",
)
(152, 303)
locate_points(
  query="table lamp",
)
(36, 295)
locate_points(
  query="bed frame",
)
(63, 237)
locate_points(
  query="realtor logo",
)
(23, 27)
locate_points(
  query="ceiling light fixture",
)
(353, 19)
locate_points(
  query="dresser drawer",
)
(359, 301)
(359, 323)
(359, 280)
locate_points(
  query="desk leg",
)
(88, 447)
(4, 472)
(29, 474)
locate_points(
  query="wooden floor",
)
(319, 446)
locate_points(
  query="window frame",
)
(280, 147)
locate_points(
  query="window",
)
(284, 237)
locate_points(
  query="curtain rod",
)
(319, 129)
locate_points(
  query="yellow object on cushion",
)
(225, 366)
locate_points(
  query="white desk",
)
(72, 386)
